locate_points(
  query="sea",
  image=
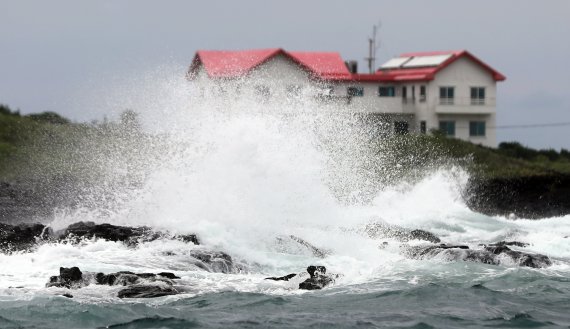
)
(243, 174)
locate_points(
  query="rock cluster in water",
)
(137, 285)
(318, 279)
(25, 237)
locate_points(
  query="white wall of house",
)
(462, 75)
(281, 78)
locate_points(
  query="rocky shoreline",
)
(531, 197)
(27, 237)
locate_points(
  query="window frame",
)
(445, 125)
(391, 91)
(475, 128)
(444, 97)
(359, 93)
(480, 95)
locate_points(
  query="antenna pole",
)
(371, 59)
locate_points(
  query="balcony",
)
(465, 105)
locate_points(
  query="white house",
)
(452, 91)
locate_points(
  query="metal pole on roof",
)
(371, 59)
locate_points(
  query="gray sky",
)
(55, 52)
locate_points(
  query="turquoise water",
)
(515, 300)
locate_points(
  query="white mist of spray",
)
(241, 172)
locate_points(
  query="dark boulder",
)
(214, 261)
(188, 238)
(126, 234)
(318, 278)
(109, 232)
(25, 237)
(493, 255)
(146, 291)
(21, 237)
(510, 243)
(125, 278)
(68, 278)
(524, 197)
(423, 235)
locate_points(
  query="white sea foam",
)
(241, 174)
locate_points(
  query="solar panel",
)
(422, 61)
(395, 63)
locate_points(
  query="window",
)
(355, 91)
(401, 127)
(447, 127)
(327, 91)
(294, 91)
(446, 95)
(263, 91)
(476, 128)
(477, 95)
(422, 93)
(423, 128)
(387, 91)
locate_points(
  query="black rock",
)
(318, 279)
(125, 278)
(109, 232)
(282, 278)
(146, 291)
(510, 243)
(423, 235)
(188, 238)
(68, 278)
(67, 295)
(168, 275)
(21, 237)
(524, 197)
(494, 255)
(214, 261)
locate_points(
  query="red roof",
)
(428, 73)
(233, 64)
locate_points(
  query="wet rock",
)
(321, 253)
(67, 295)
(381, 230)
(214, 261)
(510, 243)
(318, 278)
(21, 237)
(188, 238)
(282, 278)
(493, 255)
(125, 278)
(68, 278)
(27, 236)
(524, 197)
(423, 235)
(146, 291)
(109, 232)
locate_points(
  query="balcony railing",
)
(466, 101)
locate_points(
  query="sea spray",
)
(246, 176)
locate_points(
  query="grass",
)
(47, 145)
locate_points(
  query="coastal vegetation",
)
(48, 144)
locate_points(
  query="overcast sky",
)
(55, 52)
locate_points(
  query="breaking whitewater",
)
(234, 191)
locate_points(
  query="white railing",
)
(466, 101)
